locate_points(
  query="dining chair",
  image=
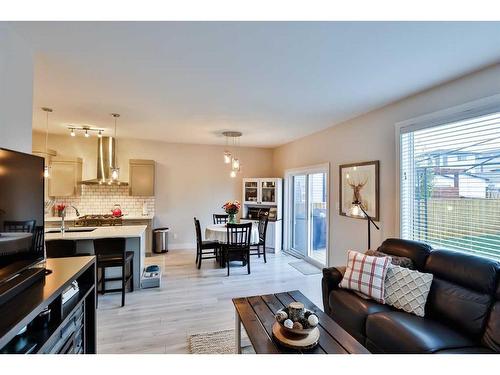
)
(220, 218)
(111, 252)
(212, 246)
(26, 226)
(38, 239)
(60, 248)
(263, 221)
(237, 246)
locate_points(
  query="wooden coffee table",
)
(257, 316)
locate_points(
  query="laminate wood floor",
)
(191, 301)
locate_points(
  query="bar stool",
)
(60, 248)
(110, 252)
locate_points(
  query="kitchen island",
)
(135, 236)
(127, 219)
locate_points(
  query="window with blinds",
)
(450, 185)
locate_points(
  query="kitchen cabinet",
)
(266, 191)
(65, 177)
(149, 230)
(142, 177)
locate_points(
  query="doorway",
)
(307, 213)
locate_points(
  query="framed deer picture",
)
(359, 184)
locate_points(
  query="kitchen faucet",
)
(63, 216)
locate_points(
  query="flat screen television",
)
(21, 212)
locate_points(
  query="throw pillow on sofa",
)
(396, 260)
(407, 290)
(366, 274)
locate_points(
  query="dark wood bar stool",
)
(38, 239)
(213, 247)
(255, 248)
(220, 218)
(110, 252)
(27, 226)
(60, 248)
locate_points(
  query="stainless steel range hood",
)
(106, 162)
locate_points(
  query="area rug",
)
(305, 267)
(218, 342)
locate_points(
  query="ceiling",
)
(275, 82)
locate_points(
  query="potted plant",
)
(232, 208)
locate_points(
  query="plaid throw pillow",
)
(366, 274)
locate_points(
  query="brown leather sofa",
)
(462, 313)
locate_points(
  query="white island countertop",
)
(126, 231)
(125, 217)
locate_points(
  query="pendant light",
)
(46, 169)
(230, 158)
(115, 171)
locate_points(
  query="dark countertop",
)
(24, 307)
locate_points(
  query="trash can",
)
(160, 240)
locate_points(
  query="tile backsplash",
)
(99, 199)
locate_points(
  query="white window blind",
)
(450, 185)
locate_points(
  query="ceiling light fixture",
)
(230, 158)
(115, 171)
(87, 130)
(227, 154)
(46, 168)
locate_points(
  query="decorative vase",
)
(232, 219)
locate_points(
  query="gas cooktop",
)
(98, 220)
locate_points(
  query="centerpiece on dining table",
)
(232, 208)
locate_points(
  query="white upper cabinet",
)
(265, 191)
(251, 190)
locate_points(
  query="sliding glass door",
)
(299, 215)
(307, 217)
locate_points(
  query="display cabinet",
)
(265, 194)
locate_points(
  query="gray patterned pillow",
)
(407, 289)
(395, 260)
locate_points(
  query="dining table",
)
(218, 232)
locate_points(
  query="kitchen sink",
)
(71, 230)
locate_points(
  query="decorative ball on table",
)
(288, 323)
(313, 320)
(281, 316)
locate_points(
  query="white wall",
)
(191, 180)
(16, 92)
(372, 137)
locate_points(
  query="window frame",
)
(460, 112)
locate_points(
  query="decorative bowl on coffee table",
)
(306, 327)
